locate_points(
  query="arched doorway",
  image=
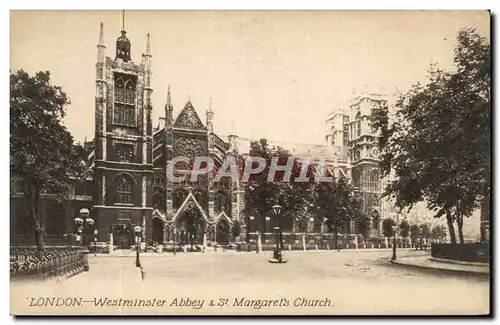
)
(223, 231)
(123, 237)
(191, 225)
(157, 230)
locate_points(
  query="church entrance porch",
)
(190, 226)
(158, 230)
(223, 232)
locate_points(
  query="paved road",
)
(346, 282)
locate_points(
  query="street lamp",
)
(137, 230)
(278, 253)
(83, 223)
(394, 228)
(96, 232)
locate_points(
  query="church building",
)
(128, 163)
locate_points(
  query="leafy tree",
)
(336, 203)
(42, 151)
(438, 232)
(438, 145)
(414, 231)
(404, 229)
(387, 225)
(261, 194)
(236, 229)
(363, 223)
(425, 231)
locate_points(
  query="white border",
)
(204, 5)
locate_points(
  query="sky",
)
(272, 74)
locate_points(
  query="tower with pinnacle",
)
(123, 172)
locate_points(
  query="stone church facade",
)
(128, 161)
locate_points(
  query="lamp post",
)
(137, 230)
(82, 224)
(249, 230)
(278, 253)
(96, 232)
(394, 228)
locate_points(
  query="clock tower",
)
(123, 143)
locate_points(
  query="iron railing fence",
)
(29, 262)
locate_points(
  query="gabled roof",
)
(189, 119)
(190, 199)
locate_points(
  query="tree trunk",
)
(34, 200)
(460, 224)
(451, 228)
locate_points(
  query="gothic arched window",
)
(130, 92)
(124, 190)
(124, 108)
(358, 125)
(119, 91)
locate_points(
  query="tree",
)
(261, 194)
(438, 232)
(336, 203)
(236, 229)
(414, 231)
(42, 151)
(437, 146)
(363, 224)
(387, 225)
(425, 231)
(404, 229)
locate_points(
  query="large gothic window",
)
(358, 125)
(124, 111)
(123, 190)
(346, 134)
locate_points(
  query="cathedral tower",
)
(363, 153)
(123, 143)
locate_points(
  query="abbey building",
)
(128, 157)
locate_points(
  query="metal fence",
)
(28, 262)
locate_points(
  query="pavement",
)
(361, 282)
(427, 262)
(131, 253)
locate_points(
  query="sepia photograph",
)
(250, 162)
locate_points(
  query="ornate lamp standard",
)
(394, 229)
(83, 223)
(137, 230)
(278, 253)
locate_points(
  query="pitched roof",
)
(189, 119)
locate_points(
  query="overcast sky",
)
(274, 74)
